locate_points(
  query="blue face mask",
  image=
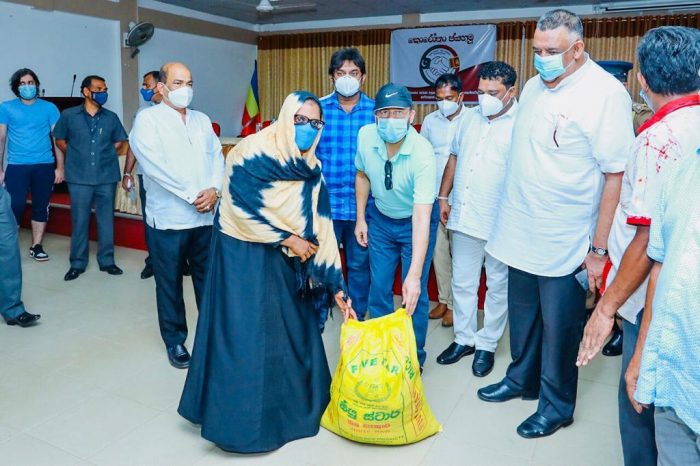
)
(304, 136)
(552, 66)
(100, 98)
(392, 130)
(27, 91)
(147, 94)
(646, 99)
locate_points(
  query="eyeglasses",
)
(303, 119)
(388, 183)
(392, 113)
(354, 73)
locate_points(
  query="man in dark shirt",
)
(90, 136)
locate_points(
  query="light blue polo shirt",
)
(413, 171)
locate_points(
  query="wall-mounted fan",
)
(139, 34)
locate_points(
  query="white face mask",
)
(180, 97)
(447, 107)
(347, 86)
(490, 105)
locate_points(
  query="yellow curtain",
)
(300, 61)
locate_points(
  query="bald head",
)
(175, 71)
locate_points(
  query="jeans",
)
(391, 242)
(357, 263)
(10, 263)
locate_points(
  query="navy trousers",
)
(82, 197)
(10, 263)
(169, 249)
(391, 242)
(546, 316)
(637, 431)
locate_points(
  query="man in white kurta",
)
(473, 181)
(183, 171)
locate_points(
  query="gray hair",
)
(554, 19)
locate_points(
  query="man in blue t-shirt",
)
(26, 124)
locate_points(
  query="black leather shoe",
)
(537, 426)
(178, 356)
(614, 346)
(112, 269)
(483, 363)
(72, 274)
(25, 319)
(500, 392)
(147, 272)
(454, 353)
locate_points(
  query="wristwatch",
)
(218, 193)
(599, 251)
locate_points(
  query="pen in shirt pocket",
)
(560, 118)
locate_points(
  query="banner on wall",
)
(419, 56)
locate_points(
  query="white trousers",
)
(442, 263)
(468, 256)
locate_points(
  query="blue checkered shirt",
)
(336, 151)
(669, 375)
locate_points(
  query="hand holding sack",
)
(377, 393)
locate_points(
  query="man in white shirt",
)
(474, 180)
(440, 128)
(183, 170)
(571, 140)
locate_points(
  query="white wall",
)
(56, 45)
(221, 71)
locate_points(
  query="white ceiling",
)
(244, 10)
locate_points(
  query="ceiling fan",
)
(269, 7)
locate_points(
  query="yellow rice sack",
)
(377, 394)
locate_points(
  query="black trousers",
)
(169, 249)
(546, 317)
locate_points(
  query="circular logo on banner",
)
(436, 61)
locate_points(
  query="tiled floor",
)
(91, 385)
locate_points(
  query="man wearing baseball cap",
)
(397, 165)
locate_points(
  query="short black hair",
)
(498, 70)
(155, 74)
(343, 55)
(449, 79)
(17, 77)
(669, 59)
(87, 82)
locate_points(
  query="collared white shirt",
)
(657, 152)
(143, 106)
(178, 160)
(482, 147)
(564, 140)
(440, 131)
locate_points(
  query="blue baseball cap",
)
(392, 96)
